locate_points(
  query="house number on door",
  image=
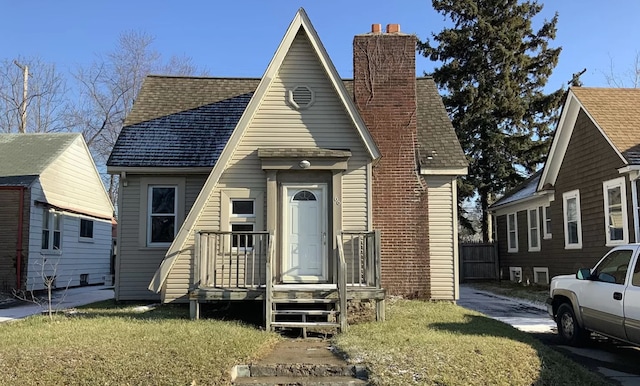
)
(337, 200)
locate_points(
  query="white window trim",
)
(512, 248)
(537, 271)
(567, 196)
(512, 274)
(239, 216)
(529, 229)
(176, 225)
(547, 231)
(227, 218)
(606, 185)
(86, 239)
(143, 215)
(52, 213)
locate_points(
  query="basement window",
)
(541, 275)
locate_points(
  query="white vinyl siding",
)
(572, 220)
(137, 263)
(512, 232)
(615, 211)
(442, 237)
(72, 182)
(75, 258)
(276, 124)
(533, 227)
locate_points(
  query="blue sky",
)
(238, 38)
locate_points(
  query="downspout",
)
(21, 190)
(19, 242)
(634, 198)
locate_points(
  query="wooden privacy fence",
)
(478, 261)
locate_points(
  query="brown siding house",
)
(585, 197)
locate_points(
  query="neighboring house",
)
(585, 200)
(56, 215)
(251, 188)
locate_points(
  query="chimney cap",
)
(393, 28)
(376, 28)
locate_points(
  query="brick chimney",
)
(384, 86)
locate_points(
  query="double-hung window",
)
(162, 214)
(86, 229)
(512, 232)
(534, 230)
(615, 211)
(51, 230)
(572, 222)
(242, 221)
(547, 221)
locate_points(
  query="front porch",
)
(243, 266)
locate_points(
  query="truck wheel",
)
(568, 328)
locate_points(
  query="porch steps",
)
(305, 309)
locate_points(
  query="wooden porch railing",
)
(231, 259)
(342, 287)
(362, 257)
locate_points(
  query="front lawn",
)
(427, 343)
(421, 343)
(109, 345)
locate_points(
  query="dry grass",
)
(111, 345)
(424, 343)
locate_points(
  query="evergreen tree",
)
(494, 68)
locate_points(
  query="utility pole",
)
(23, 105)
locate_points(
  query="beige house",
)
(56, 215)
(297, 187)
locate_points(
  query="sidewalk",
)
(73, 297)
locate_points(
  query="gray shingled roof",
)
(525, 189)
(191, 138)
(30, 154)
(164, 95)
(439, 146)
(176, 121)
(17, 180)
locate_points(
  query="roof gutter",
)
(21, 190)
(492, 209)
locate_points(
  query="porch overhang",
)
(312, 158)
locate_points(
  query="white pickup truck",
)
(605, 299)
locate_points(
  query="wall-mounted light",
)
(304, 164)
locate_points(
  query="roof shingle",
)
(190, 138)
(186, 122)
(30, 154)
(617, 112)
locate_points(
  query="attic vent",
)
(301, 97)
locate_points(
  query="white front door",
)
(305, 233)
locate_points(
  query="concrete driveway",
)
(617, 362)
(62, 299)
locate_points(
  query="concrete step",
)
(300, 381)
(299, 374)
